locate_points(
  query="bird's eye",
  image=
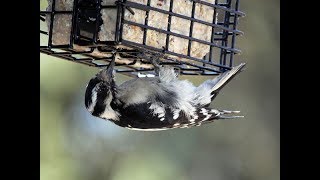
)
(103, 87)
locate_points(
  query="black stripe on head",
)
(100, 105)
(88, 95)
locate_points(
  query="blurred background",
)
(77, 146)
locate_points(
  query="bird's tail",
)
(209, 115)
(225, 114)
(225, 77)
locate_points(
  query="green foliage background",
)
(76, 146)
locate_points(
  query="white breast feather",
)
(109, 113)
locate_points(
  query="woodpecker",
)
(156, 103)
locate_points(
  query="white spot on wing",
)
(204, 111)
(206, 118)
(215, 111)
(176, 124)
(176, 113)
(185, 126)
(157, 110)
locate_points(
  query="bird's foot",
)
(155, 61)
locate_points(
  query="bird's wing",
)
(150, 117)
(154, 107)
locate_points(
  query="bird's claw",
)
(155, 61)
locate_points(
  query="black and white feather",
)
(156, 103)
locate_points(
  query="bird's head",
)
(100, 92)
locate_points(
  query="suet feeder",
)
(196, 37)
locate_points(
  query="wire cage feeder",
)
(93, 32)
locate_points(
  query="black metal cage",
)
(83, 20)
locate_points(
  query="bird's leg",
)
(155, 61)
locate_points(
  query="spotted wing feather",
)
(140, 117)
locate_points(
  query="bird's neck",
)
(110, 111)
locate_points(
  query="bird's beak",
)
(107, 74)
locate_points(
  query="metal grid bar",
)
(146, 23)
(221, 6)
(169, 25)
(191, 26)
(121, 18)
(74, 22)
(95, 34)
(235, 22)
(223, 53)
(213, 31)
(53, 6)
